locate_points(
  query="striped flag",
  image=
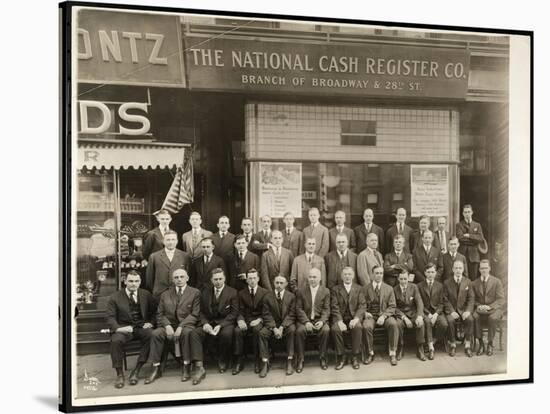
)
(182, 190)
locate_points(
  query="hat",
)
(482, 246)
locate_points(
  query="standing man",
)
(434, 300)
(409, 312)
(380, 312)
(154, 239)
(424, 254)
(337, 260)
(447, 259)
(177, 316)
(395, 260)
(459, 306)
(367, 259)
(192, 239)
(130, 315)
(223, 240)
(277, 261)
(163, 262)
(441, 235)
(488, 305)
(470, 234)
(399, 228)
(279, 316)
(293, 239)
(340, 228)
(204, 265)
(362, 230)
(318, 232)
(417, 236)
(260, 242)
(312, 313)
(304, 263)
(348, 307)
(246, 227)
(243, 261)
(249, 321)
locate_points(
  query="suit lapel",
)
(142, 303)
(165, 259)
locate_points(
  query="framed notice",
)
(429, 190)
(280, 189)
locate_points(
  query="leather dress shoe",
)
(452, 351)
(133, 380)
(299, 365)
(198, 375)
(489, 349)
(468, 352)
(355, 362)
(119, 383)
(339, 362)
(431, 354)
(323, 362)
(222, 366)
(155, 373)
(289, 367)
(480, 349)
(368, 360)
(257, 366)
(399, 353)
(393, 360)
(265, 368)
(238, 367)
(185, 372)
(420, 353)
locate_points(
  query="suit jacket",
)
(460, 300)
(320, 234)
(365, 262)
(258, 243)
(193, 246)
(183, 312)
(305, 303)
(493, 294)
(238, 266)
(416, 239)
(251, 308)
(392, 232)
(202, 273)
(421, 259)
(118, 309)
(152, 242)
(361, 237)
(224, 247)
(411, 304)
(159, 270)
(225, 313)
(437, 241)
(274, 317)
(434, 301)
(446, 265)
(334, 266)
(294, 242)
(301, 268)
(387, 298)
(340, 301)
(273, 266)
(333, 232)
(468, 245)
(391, 258)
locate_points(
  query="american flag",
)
(182, 189)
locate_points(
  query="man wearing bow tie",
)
(367, 259)
(395, 260)
(223, 241)
(447, 259)
(489, 305)
(470, 235)
(277, 261)
(154, 239)
(261, 241)
(340, 228)
(204, 265)
(243, 261)
(192, 239)
(399, 228)
(364, 229)
(293, 239)
(318, 232)
(337, 260)
(304, 263)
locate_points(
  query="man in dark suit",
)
(348, 307)
(365, 229)
(337, 260)
(243, 261)
(163, 262)
(433, 299)
(223, 241)
(277, 261)
(424, 254)
(417, 236)
(340, 228)
(470, 235)
(380, 312)
(459, 306)
(130, 315)
(191, 240)
(409, 313)
(249, 320)
(279, 317)
(293, 239)
(219, 311)
(177, 316)
(318, 232)
(261, 241)
(441, 235)
(203, 265)
(446, 261)
(312, 313)
(399, 228)
(488, 305)
(246, 227)
(395, 260)
(154, 239)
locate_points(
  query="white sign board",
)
(429, 190)
(280, 189)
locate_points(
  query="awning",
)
(100, 153)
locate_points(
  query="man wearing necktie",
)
(442, 236)
(277, 261)
(293, 239)
(364, 229)
(340, 228)
(395, 260)
(203, 265)
(223, 241)
(337, 260)
(191, 240)
(302, 265)
(154, 239)
(470, 235)
(367, 259)
(243, 261)
(447, 259)
(318, 232)
(261, 241)
(246, 227)
(424, 254)
(489, 305)
(417, 235)
(400, 227)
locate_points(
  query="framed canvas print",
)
(264, 206)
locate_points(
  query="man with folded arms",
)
(347, 311)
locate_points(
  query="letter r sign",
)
(91, 156)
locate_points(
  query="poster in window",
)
(429, 190)
(280, 189)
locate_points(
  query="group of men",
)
(287, 285)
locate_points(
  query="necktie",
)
(404, 293)
(133, 297)
(288, 232)
(313, 305)
(206, 260)
(484, 284)
(309, 259)
(217, 293)
(443, 241)
(278, 252)
(279, 302)
(368, 228)
(377, 290)
(252, 294)
(430, 284)
(222, 234)
(265, 235)
(247, 237)
(399, 229)
(241, 256)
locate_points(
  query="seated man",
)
(249, 320)
(130, 315)
(380, 312)
(219, 311)
(279, 316)
(395, 260)
(304, 263)
(177, 317)
(347, 311)
(312, 313)
(459, 306)
(488, 305)
(433, 299)
(409, 313)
